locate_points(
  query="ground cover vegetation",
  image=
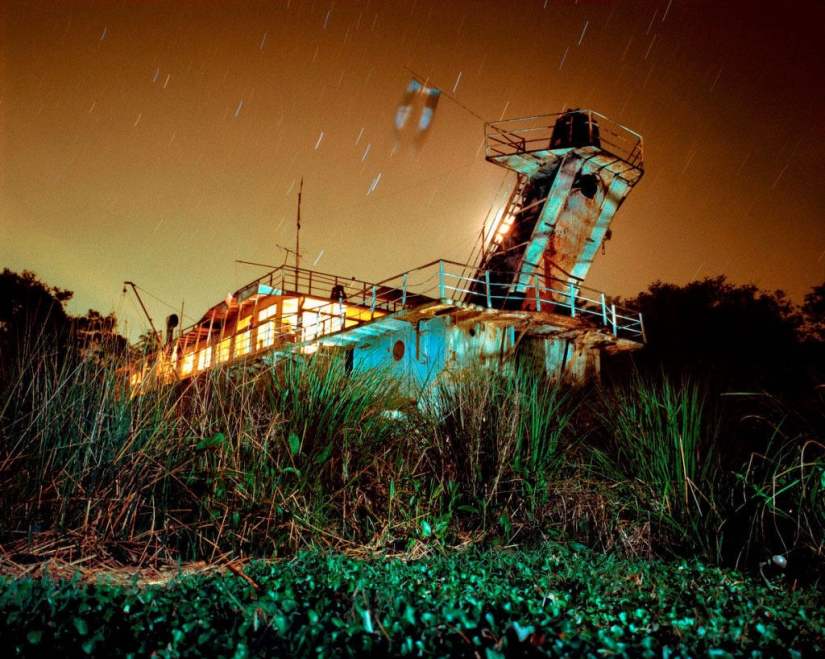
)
(549, 601)
(724, 462)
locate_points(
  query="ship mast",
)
(298, 230)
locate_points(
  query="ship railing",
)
(199, 349)
(533, 134)
(447, 281)
(291, 280)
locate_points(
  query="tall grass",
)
(492, 446)
(662, 438)
(223, 463)
(269, 461)
(250, 461)
(61, 430)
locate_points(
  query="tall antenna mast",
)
(298, 232)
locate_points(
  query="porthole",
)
(398, 351)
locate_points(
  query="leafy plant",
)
(551, 601)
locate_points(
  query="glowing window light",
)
(224, 350)
(188, 363)
(270, 311)
(290, 311)
(266, 335)
(503, 229)
(325, 317)
(204, 358)
(311, 325)
(309, 303)
(243, 343)
(289, 319)
(495, 225)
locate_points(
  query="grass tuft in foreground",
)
(662, 438)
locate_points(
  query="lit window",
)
(290, 309)
(324, 317)
(311, 325)
(224, 350)
(188, 363)
(243, 343)
(270, 311)
(266, 335)
(289, 318)
(310, 303)
(204, 358)
(504, 228)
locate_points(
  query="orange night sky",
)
(160, 142)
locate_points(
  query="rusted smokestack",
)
(171, 324)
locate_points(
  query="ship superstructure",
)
(524, 294)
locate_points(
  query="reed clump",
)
(661, 448)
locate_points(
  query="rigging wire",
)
(424, 81)
(163, 302)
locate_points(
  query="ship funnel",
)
(171, 323)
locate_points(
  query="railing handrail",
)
(363, 293)
(444, 276)
(511, 136)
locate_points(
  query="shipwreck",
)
(523, 293)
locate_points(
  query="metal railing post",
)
(538, 293)
(604, 311)
(487, 288)
(572, 301)
(372, 304)
(642, 327)
(404, 292)
(613, 309)
(441, 277)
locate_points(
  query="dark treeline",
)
(33, 313)
(740, 337)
